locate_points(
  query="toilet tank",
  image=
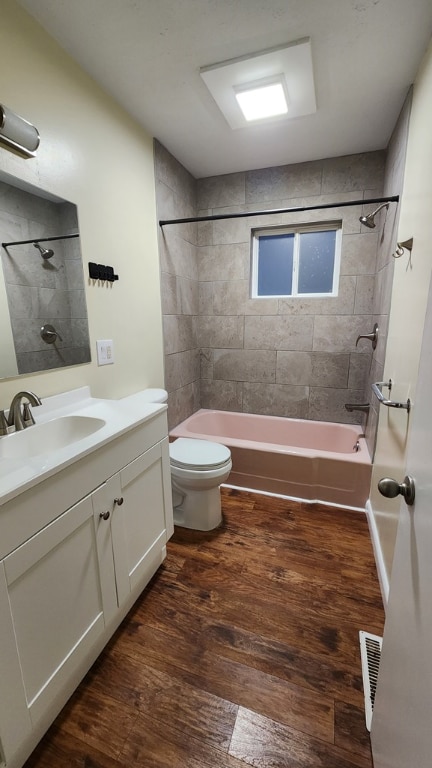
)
(154, 395)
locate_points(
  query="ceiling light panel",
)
(290, 65)
(259, 102)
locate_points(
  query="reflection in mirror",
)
(42, 284)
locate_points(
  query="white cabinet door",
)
(56, 604)
(15, 722)
(139, 529)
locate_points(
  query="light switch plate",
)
(105, 351)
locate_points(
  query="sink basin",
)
(50, 436)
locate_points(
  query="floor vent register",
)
(370, 650)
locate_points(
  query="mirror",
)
(42, 286)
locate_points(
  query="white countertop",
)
(120, 416)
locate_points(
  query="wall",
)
(93, 154)
(287, 357)
(176, 198)
(284, 357)
(408, 306)
(41, 291)
(388, 222)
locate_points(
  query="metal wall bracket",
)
(376, 389)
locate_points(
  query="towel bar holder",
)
(376, 389)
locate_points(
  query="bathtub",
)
(309, 460)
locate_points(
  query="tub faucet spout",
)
(357, 407)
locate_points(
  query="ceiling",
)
(148, 53)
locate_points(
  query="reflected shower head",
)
(368, 220)
(44, 252)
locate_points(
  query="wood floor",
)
(243, 651)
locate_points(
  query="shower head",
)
(368, 220)
(44, 252)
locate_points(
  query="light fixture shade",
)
(18, 133)
(262, 99)
(290, 64)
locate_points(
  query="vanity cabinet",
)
(66, 587)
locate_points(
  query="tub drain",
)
(370, 651)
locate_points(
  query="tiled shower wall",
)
(43, 291)
(287, 357)
(290, 357)
(176, 198)
(393, 184)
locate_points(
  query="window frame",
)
(297, 231)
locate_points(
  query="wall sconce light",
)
(18, 133)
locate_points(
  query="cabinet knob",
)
(119, 501)
(104, 515)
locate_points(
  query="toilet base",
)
(199, 510)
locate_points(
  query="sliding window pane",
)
(316, 263)
(275, 265)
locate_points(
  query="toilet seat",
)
(198, 455)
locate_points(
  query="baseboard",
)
(377, 550)
(293, 498)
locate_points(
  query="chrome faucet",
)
(20, 418)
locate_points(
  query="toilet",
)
(198, 468)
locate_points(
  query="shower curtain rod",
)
(40, 240)
(246, 214)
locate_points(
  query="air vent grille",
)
(370, 650)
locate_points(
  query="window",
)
(299, 261)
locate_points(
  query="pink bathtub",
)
(310, 460)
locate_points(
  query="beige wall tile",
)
(178, 256)
(338, 334)
(181, 368)
(279, 332)
(206, 363)
(172, 173)
(283, 182)
(169, 297)
(205, 299)
(353, 172)
(231, 231)
(205, 232)
(294, 368)
(359, 369)
(219, 191)
(329, 369)
(224, 262)
(364, 297)
(222, 332)
(276, 400)
(188, 295)
(182, 403)
(359, 254)
(221, 395)
(244, 365)
(343, 304)
(327, 404)
(178, 333)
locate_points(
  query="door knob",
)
(391, 488)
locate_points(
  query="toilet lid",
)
(188, 453)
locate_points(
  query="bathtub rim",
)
(361, 456)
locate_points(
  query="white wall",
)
(93, 154)
(409, 297)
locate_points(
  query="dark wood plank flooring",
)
(243, 651)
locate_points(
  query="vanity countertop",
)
(18, 474)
